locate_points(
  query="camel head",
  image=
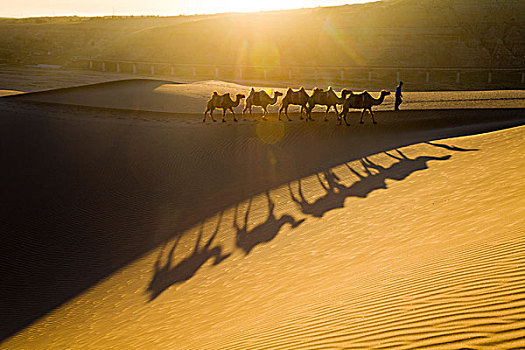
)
(385, 93)
(239, 97)
(346, 92)
(278, 93)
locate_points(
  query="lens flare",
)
(270, 132)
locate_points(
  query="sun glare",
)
(30, 8)
(205, 6)
(252, 6)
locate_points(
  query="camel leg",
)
(372, 114)
(265, 113)
(326, 113)
(301, 113)
(280, 110)
(304, 109)
(362, 114)
(337, 113)
(233, 114)
(211, 114)
(205, 112)
(345, 113)
(285, 113)
(340, 116)
(244, 109)
(308, 112)
(223, 115)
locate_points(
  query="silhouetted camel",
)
(264, 232)
(363, 100)
(167, 275)
(327, 98)
(299, 97)
(223, 102)
(336, 192)
(260, 99)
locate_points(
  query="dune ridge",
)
(171, 97)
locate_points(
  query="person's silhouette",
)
(399, 96)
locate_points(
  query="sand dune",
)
(128, 228)
(9, 92)
(165, 96)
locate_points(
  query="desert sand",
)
(131, 224)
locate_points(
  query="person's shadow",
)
(266, 231)
(166, 275)
(451, 148)
(374, 178)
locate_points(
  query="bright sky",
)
(33, 8)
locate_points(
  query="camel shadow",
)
(165, 275)
(247, 239)
(374, 178)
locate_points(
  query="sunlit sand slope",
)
(166, 96)
(419, 246)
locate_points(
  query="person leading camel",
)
(399, 96)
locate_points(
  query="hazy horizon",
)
(39, 8)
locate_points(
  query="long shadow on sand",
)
(336, 192)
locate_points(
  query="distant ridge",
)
(428, 33)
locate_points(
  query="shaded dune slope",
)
(416, 247)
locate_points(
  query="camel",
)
(299, 97)
(223, 102)
(260, 99)
(363, 100)
(327, 98)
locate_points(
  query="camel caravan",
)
(328, 98)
